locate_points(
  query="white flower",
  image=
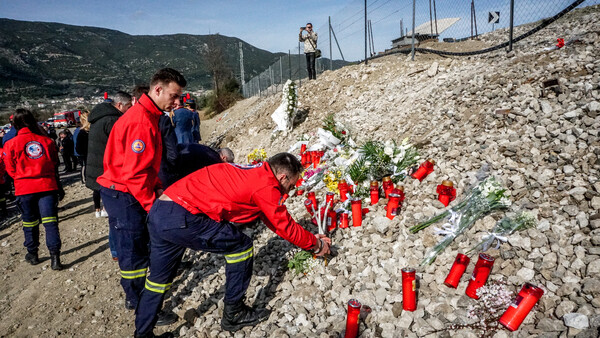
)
(388, 151)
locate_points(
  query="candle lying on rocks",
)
(446, 192)
(482, 271)
(522, 305)
(458, 269)
(425, 169)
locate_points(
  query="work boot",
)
(166, 318)
(32, 258)
(55, 262)
(239, 315)
(152, 335)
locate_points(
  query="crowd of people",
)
(163, 192)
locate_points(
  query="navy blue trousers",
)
(35, 208)
(128, 221)
(172, 230)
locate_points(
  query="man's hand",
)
(322, 247)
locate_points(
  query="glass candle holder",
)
(446, 192)
(302, 148)
(425, 169)
(313, 198)
(522, 305)
(356, 212)
(409, 289)
(352, 319)
(392, 206)
(309, 207)
(458, 269)
(329, 199)
(482, 271)
(374, 192)
(343, 188)
(344, 220)
(387, 186)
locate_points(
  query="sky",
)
(274, 25)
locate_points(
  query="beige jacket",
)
(310, 41)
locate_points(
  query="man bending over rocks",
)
(203, 211)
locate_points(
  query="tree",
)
(215, 61)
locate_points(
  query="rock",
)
(576, 320)
(564, 307)
(382, 224)
(433, 69)
(550, 325)
(593, 269)
(526, 274)
(592, 286)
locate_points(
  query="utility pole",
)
(242, 70)
(365, 32)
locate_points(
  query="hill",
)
(40, 59)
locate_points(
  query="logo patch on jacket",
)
(138, 146)
(34, 150)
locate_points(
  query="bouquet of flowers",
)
(335, 128)
(488, 196)
(331, 180)
(301, 261)
(504, 228)
(257, 156)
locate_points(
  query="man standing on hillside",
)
(130, 181)
(310, 47)
(204, 211)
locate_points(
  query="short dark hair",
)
(139, 90)
(286, 163)
(166, 76)
(308, 23)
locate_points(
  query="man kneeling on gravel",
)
(203, 211)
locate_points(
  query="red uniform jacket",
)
(31, 160)
(133, 153)
(239, 194)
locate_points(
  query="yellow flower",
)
(257, 155)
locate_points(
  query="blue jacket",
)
(10, 134)
(184, 123)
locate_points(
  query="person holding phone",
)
(310, 48)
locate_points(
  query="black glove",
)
(61, 193)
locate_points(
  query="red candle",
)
(374, 191)
(520, 308)
(482, 271)
(309, 207)
(392, 206)
(331, 220)
(300, 190)
(316, 158)
(352, 319)
(446, 192)
(388, 186)
(329, 199)
(458, 269)
(409, 289)
(343, 188)
(302, 148)
(425, 169)
(356, 212)
(313, 198)
(344, 220)
(303, 159)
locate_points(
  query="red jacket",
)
(31, 160)
(239, 194)
(133, 153)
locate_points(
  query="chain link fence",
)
(348, 36)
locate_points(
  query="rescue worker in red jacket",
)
(130, 180)
(31, 159)
(203, 211)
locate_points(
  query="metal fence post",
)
(281, 71)
(512, 24)
(330, 47)
(413, 32)
(299, 75)
(365, 32)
